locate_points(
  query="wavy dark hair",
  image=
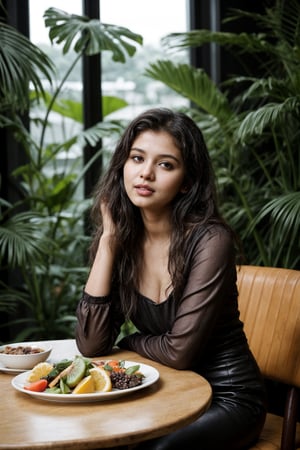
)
(194, 208)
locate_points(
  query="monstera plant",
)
(42, 235)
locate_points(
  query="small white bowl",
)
(25, 361)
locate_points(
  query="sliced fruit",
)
(101, 378)
(85, 386)
(39, 371)
(76, 372)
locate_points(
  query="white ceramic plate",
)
(8, 370)
(151, 376)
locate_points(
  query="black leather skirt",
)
(236, 415)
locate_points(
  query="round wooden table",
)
(175, 400)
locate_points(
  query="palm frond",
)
(283, 214)
(21, 240)
(90, 36)
(246, 42)
(193, 84)
(264, 88)
(284, 21)
(279, 38)
(9, 298)
(21, 63)
(269, 115)
(281, 22)
(100, 130)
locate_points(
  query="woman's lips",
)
(144, 190)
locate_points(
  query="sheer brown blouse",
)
(183, 334)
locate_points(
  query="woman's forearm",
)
(99, 280)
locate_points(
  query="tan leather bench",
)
(269, 302)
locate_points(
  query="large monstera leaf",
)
(90, 36)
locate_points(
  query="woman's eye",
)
(137, 158)
(167, 165)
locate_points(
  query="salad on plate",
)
(83, 376)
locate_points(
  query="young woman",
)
(163, 257)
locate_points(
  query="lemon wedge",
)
(101, 378)
(85, 386)
(39, 371)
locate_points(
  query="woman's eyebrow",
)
(162, 155)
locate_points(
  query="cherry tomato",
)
(37, 386)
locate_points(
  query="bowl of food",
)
(24, 355)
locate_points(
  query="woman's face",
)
(154, 171)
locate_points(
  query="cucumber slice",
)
(76, 373)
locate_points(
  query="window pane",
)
(38, 31)
(62, 125)
(153, 20)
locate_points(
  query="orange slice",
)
(39, 371)
(102, 381)
(85, 386)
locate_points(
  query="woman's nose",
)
(147, 172)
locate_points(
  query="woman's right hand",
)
(109, 227)
(99, 280)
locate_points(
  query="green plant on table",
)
(42, 238)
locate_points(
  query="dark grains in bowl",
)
(20, 350)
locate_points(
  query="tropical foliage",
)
(252, 127)
(250, 122)
(42, 237)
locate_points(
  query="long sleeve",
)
(98, 324)
(209, 292)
